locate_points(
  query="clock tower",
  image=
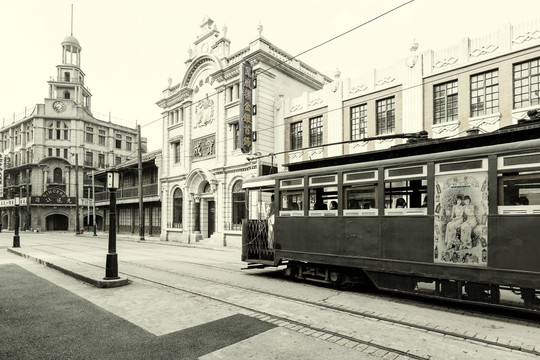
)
(68, 88)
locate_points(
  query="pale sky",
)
(130, 48)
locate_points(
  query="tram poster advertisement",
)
(460, 226)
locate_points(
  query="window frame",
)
(386, 115)
(448, 98)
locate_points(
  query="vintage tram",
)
(468, 231)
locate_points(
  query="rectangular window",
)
(527, 84)
(386, 116)
(119, 141)
(358, 122)
(176, 151)
(519, 194)
(89, 134)
(485, 93)
(296, 135)
(50, 152)
(50, 135)
(445, 102)
(128, 143)
(58, 152)
(316, 131)
(65, 153)
(101, 137)
(117, 160)
(101, 160)
(58, 134)
(89, 159)
(291, 203)
(236, 133)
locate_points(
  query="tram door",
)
(211, 217)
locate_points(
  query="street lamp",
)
(111, 267)
(16, 238)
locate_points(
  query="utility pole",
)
(141, 201)
(94, 202)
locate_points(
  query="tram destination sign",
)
(245, 137)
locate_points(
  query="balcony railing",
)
(131, 192)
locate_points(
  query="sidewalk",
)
(78, 267)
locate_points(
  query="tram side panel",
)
(514, 244)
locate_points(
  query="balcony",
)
(149, 190)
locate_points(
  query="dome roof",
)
(71, 40)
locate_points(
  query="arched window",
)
(57, 176)
(177, 209)
(238, 205)
(66, 94)
(207, 188)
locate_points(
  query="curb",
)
(100, 283)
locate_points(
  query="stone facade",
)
(203, 167)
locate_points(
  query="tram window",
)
(519, 193)
(291, 201)
(412, 191)
(360, 197)
(321, 198)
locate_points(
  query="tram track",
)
(298, 325)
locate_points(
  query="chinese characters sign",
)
(246, 104)
(1, 175)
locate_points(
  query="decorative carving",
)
(484, 50)
(385, 80)
(296, 107)
(315, 102)
(204, 111)
(445, 62)
(358, 88)
(527, 37)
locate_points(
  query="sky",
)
(131, 48)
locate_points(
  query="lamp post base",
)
(111, 267)
(16, 241)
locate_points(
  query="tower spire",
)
(71, 19)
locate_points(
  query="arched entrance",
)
(88, 222)
(56, 222)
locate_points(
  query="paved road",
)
(45, 314)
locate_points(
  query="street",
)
(188, 302)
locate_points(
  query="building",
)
(203, 166)
(129, 193)
(478, 84)
(51, 151)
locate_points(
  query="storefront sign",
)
(1, 175)
(246, 104)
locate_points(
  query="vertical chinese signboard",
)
(1, 175)
(246, 119)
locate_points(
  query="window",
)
(128, 143)
(176, 151)
(408, 185)
(57, 176)
(323, 195)
(66, 132)
(296, 135)
(177, 209)
(358, 122)
(65, 153)
(89, 134)
(58, 152)
(118, 141)
(66, 94)
(89, 159)
(315, 131)
(527, 83)
(117, 160)
(238, 205)
(485, 93)
(291, 201)
(360, 197)
(101, 137)
(17, 138)
(236, 134)
(445, 102)
(386, 116)
(50, 152)
(101, 160)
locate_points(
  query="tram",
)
(454, 218)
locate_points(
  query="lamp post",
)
(111, 267)
(16, 238)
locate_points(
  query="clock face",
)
(59, 106)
